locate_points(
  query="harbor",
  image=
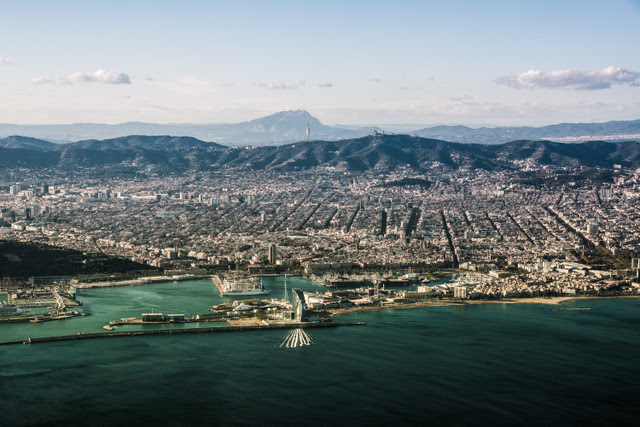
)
(181, 305)
(239, 284)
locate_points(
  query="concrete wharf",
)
(115, 334)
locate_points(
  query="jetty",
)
(220, 329)
(218, 283)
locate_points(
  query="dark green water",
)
(481, 364)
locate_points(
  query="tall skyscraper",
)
(272, 254)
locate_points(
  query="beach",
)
(537, 300)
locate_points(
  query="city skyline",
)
(494, 64)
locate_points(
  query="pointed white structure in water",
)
(296, 338)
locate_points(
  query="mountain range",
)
(169, 154)
(291, 126)
(280, 128)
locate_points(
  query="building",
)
(165, 214)
(15, 189)
(152, 317)
(171, 254)
(272, 254)
(460, 292)
(299, 304)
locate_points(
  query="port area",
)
(162, 320)
(42, 317)
(218, 283)
(40, 305)
(236, 321)
(141, 281)
(221, 329)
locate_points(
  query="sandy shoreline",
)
(560, 300)
(339, 311)
(538, 300)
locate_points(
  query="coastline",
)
(559, 300)
(536, 300)
(339, 311)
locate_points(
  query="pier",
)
(218, 283)
(84, 336)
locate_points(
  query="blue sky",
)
(346, 62)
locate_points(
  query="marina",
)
(239, 284)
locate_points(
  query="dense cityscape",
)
(522, 239)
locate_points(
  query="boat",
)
(240, 285)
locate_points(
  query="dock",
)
(216, 281)
(221, 329)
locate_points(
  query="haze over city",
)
(493, 63)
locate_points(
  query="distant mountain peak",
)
(292, 124)
(290, 115)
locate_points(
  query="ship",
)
(239, 285)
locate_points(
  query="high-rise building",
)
(635, 265)
(460, 292)
(272, 254)
(35, 210)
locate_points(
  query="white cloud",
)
(464, 98)
(63, 81)
(323, 84)
(279, 85)
(100, 76)
(572, 80)
(5, 61)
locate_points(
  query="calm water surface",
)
(493, 363)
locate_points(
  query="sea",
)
(481, 364)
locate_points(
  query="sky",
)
(497, 63)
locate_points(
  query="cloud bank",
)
(5, 61)
(572, 80)
(100, 76)
(323, 84)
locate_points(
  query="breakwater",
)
(84, 336)
(143, 281)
